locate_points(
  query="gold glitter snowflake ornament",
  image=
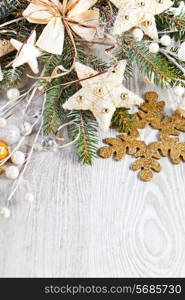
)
(150, 114)
(139, 13)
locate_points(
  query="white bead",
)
(137, 34)
(154, 47)
(18, 158)
(13, 94)
(4, 212)
(2, 122)
(10, 134)
(179, 91)
(29, 197)
(12, 172)
(165, 40)
(26, 128)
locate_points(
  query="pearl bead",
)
(165, 40)
(18, 158)
(179, 91)
(137, 34)
(13, 94)
(154, 47)
(26, 128)
(29, 197)
(181, 52)
(12, 172)
(2, 122)
(10, 134)
(4, 212)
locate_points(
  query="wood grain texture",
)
(96, 221)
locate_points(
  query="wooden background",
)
(96, 221)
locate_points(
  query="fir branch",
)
(12, 77)
(8, 7)
(84, 125)
(91, 60)
(155, 66)
(122, 120)
(56, 94)
(176, 24)
(52, 113)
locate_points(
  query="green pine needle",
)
(84, 126)
(155, 67)
(122, 120)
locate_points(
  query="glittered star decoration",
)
(27, 53)
(102, 94)
(139, 13)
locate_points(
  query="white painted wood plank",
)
(96, 221)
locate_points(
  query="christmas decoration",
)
(151, 114)
(12, 172)
(154, 48)
(18, 158)
(27, 53)
(29, 198)
(140, 14)
(10, 134)
(165, 40)
(72, 88)
(13, 94)
(102, 94)
(73, 15)
(3, 150)
(5, 47)
(4, 213)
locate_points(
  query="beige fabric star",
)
(139, 13)
(27, 53)
(102, 94)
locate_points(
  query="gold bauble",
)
(3, 150)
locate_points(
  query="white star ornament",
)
(102, 94)
(27, 53)
(139, 13)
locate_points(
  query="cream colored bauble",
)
(10, 134)
(12, 172)
(137, 34)
(18, 158)
(29, 198)
(13, 94)
(165, 40)
(4, 212)
(154, 47)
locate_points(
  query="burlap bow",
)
(74, 15)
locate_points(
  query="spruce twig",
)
(84, 124)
